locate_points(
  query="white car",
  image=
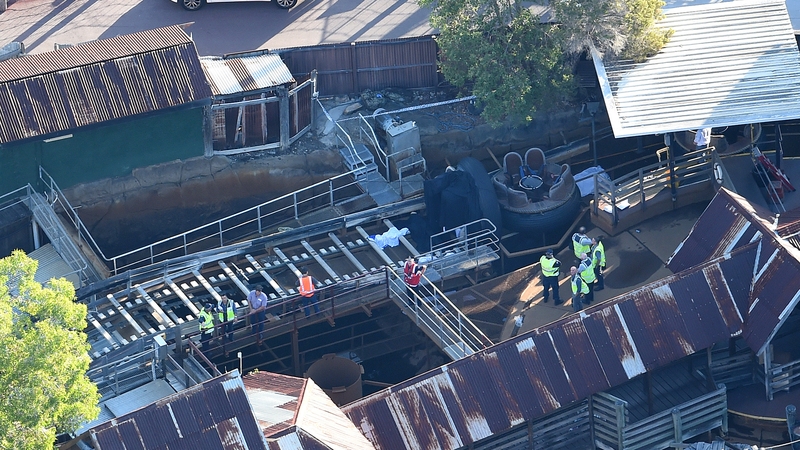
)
(194, 5)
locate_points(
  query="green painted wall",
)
(106, 151)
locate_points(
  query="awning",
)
(728, 63)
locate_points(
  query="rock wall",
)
(166, 199)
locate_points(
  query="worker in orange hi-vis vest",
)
(306, 287)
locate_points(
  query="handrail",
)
(248, 221)
(467, 241)
(434, 312)
(349, 143)
(689, 169)
(374, 141)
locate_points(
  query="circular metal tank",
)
(340, 378)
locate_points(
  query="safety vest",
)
(588, 271)
(601, 260)
(584, 286)
(228, 313)
(207, 324)
(306, 286)
(549, 268)
(579, 247)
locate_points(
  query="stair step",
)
(358, 157)
(378, 188)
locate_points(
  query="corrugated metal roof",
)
(246, 74)
(553, 366)
(727, 63)
(98, 81)
(212, 415)
(729, 222)
(295, 413)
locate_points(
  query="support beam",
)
(158, 313)
(126, 315)
(347, 253)
(229, 273)
(174, 288)
(377, 249)
(275, 286)
(207, 285)
(321, 261)
(103, 332)
(287, 261)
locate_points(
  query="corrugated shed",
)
(727, 63)
(295, 413)
(728, 223)
(772, 279)
(245, 74)
(539, 372)
(98, 81)
(212, 415)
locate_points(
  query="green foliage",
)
(517, 66)
(43, 358)
(644, 39)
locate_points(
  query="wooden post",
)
(591, 420)
(3, 5)
(619, 406)
(673, 147)
(298, 371)
(710, 377)
(724, 412)
(648, 383)
(677, 425)
(208, 131)
(283, 102)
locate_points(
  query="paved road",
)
(217, 28)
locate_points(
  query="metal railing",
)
(472, 241)
(344, 138)
(438, 317)
(659, 430)
(256, 220)
(781, 377)
(636, 189)
(369, 132)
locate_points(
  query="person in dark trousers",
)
(258, 308)
(581, 243)
(412, 275)
(206, 322)
(586, 270)
(550, 269)
(226, 311)
(306, 286)
(599, 261)
(579, 289)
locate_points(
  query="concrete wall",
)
(112, 150)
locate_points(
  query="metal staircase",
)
(46, 219)
(438, 317)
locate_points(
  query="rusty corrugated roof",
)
(553, 366)
(98, 81)
(729, 222)
(295, 413)
(245, 74)
(215, 414)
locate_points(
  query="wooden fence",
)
(566, 429)
(661, 430)
(353, 67)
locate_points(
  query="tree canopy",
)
(44, 389)
(515, 65)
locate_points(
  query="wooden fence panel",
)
(350, 68)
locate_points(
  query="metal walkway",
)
(354, 275)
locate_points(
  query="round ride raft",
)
(535, 196)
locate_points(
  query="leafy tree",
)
(515, 65)
(43, 358)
